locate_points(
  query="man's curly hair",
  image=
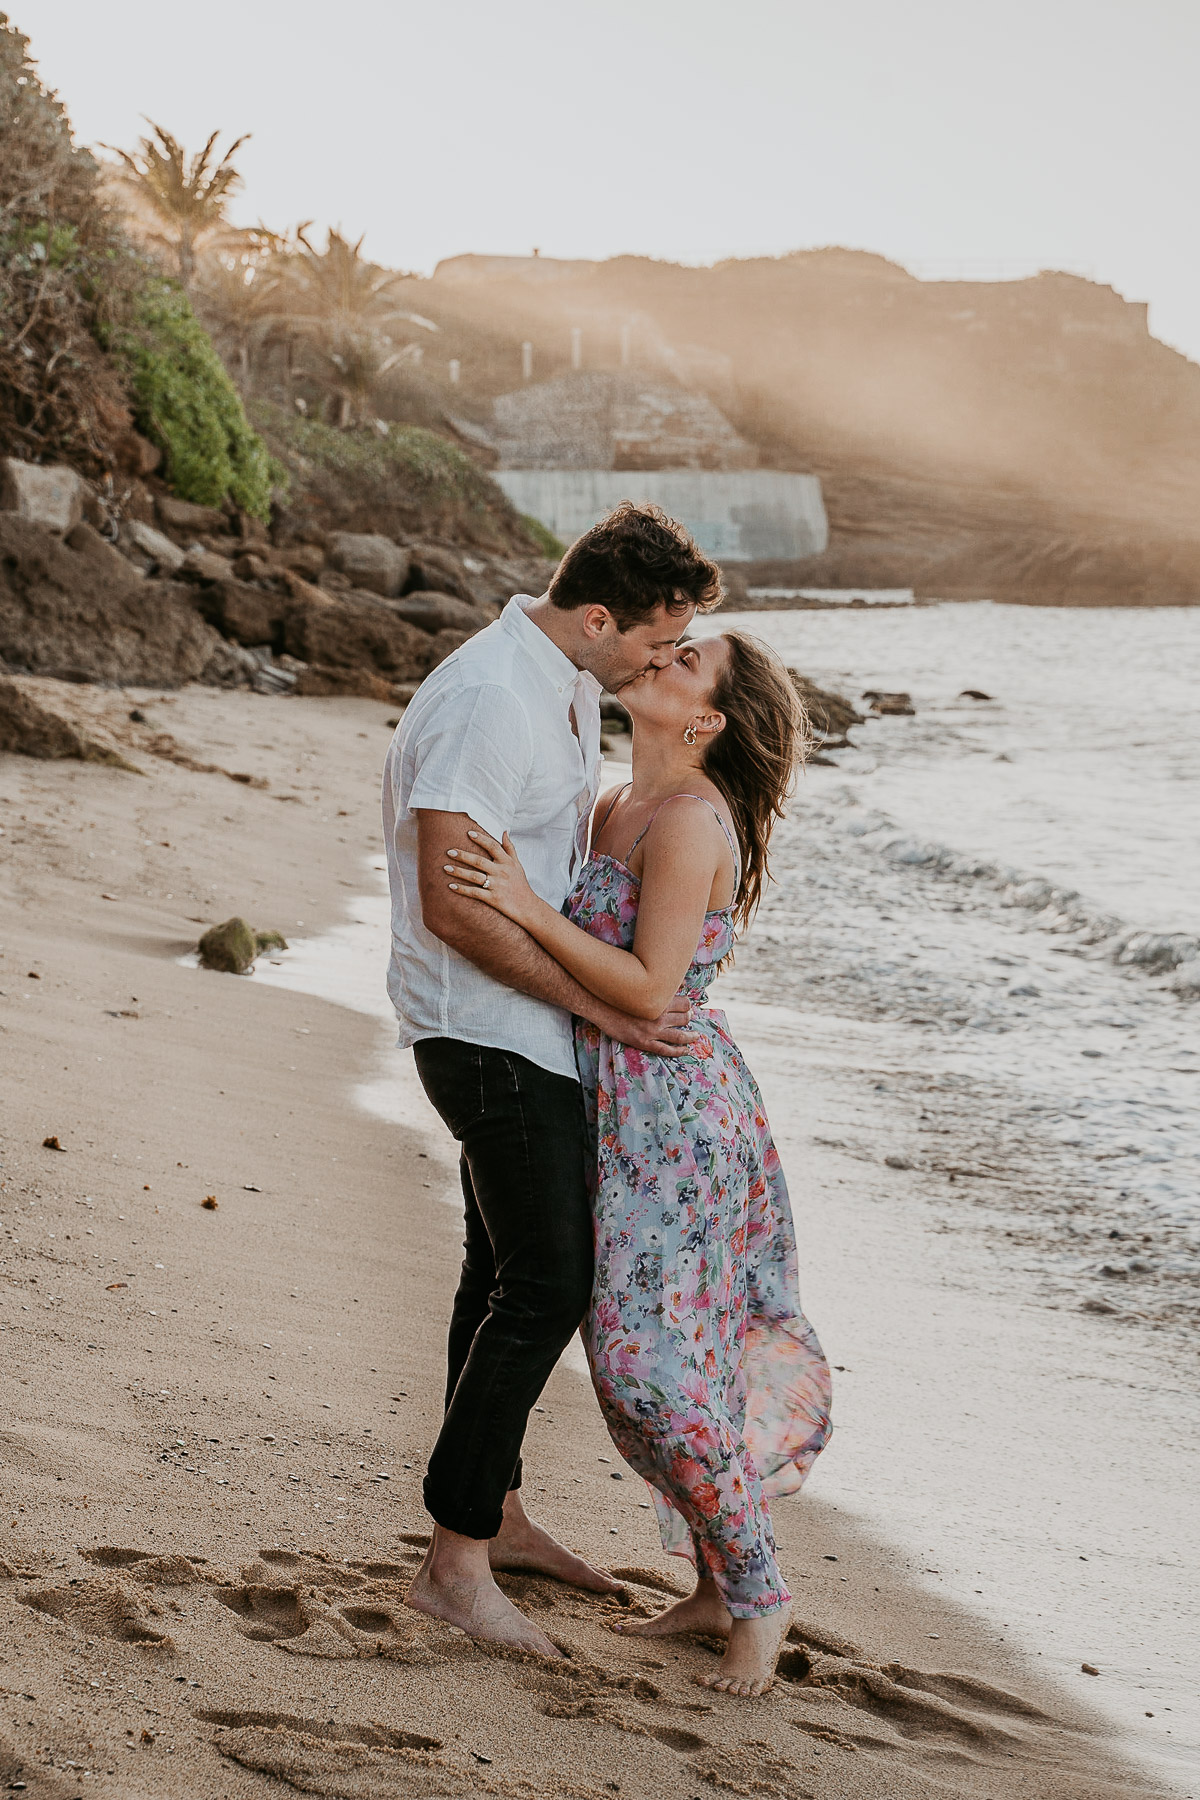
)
(634, 561)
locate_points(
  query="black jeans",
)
(526, 1277)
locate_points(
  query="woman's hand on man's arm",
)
(505, 951)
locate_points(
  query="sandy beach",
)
(215, 1416)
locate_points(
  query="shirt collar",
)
(552, 661)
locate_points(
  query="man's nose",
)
(662, 659)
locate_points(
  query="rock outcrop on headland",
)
(35, 720)
(86, 615)
(206, 594)
(1011, 440)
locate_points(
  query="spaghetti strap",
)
(608, 809)
(737, 861)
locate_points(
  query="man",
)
(505, 735)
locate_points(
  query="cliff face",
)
(1025, 439)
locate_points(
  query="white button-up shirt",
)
(489, 734)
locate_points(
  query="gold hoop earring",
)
(689, 736)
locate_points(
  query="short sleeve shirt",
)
(489, 734)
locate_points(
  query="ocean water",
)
(1019, 878)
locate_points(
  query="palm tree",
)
(188, 194)
(240, 282)
(339, 305)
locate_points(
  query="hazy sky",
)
(960, 137)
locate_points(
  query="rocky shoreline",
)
(211, 595)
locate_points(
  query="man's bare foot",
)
(703, 1611)
(521, 1544)
(457, 1587)
(748, 1665)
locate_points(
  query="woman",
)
(712, 1382)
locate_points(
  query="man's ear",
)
(594, 620)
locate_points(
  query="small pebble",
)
(1089, 1668)
(210, 1202)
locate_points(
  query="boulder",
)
(356, 631)
(830, 715)
(305, 559)
(200, 564)
(434, 569)
(85, 539)
(50, 495)
(43, 719)
(440, 612)
(182, 515)
(164, 556)
(229, 948)
(251, 566)
(253, 532)
(888, 705)
(70, 614)
(369, 561)
(136, 455)
(300, 589)
(248, 615)
(318, 681)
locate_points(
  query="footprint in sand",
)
(917, 1710)
(100, 1609)
(145, 1566)
(309, 1604)
(752, 1768)
(319, 1756)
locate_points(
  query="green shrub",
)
(406, 482)
(428, 465)
(544, 538)
(186, 403)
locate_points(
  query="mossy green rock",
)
(269, 940)
(229, 948)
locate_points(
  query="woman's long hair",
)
(753, 760)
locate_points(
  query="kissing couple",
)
(552, 950)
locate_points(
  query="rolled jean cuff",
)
(452, 1514)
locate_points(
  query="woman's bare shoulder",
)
(691, 817)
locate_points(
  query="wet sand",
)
(215, 1419)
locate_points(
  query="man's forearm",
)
(507, 953)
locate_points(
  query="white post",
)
(527, 359)
(576, 347)
(626, 343)
(455, 371)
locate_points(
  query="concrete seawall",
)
(742, 515)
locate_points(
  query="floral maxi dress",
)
(711, 1380)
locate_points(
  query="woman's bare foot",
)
(748, 1665)
(455, 1584)
(703, 1611)
(520, 1544)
